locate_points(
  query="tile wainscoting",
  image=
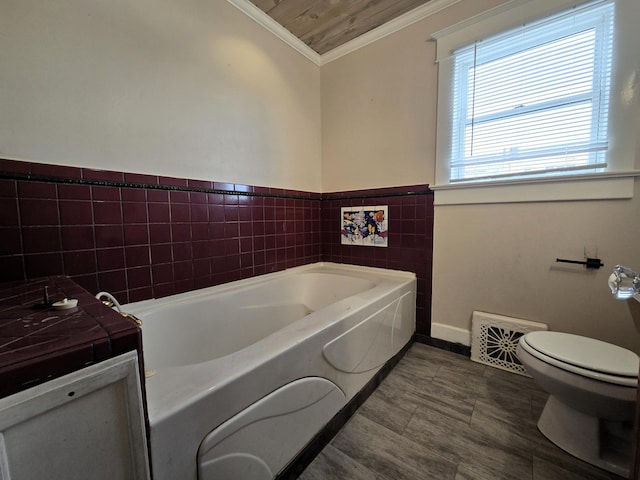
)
(142, 236)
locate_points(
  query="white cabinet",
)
(86, 425)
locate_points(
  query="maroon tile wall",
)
(142, 236)
(410, 237)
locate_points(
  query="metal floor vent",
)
(494, 339)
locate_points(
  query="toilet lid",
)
(585, 353)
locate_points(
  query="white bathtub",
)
(245, 374)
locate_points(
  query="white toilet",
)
(592, 392)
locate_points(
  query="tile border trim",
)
(196, 186)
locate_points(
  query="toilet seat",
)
(584, 356)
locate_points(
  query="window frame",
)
(615, 182)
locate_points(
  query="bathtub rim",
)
(358, 271)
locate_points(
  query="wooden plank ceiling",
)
(326, 24)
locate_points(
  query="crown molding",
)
(409, 18)
(253, 12)
(382, 31)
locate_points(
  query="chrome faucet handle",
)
(624, 282)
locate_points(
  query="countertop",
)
(38, 342)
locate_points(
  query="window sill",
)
(600, 186)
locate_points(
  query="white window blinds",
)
(534, 101)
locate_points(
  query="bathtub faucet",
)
(111, 302)
(624, 282)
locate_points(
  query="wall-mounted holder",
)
(589, 263)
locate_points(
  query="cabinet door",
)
(86, 425)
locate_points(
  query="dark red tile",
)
(75, 212)
(107, 213)
(199, 183)
(163, 290)
(201, 249)
(215, 199)
(218, 248)
(11, 243)
(77, 237)
(34, 212)
(157, 195)
(113, 281)
(139, 277)
(216, 231)
(62, 171)
(11, 268)
(257, 228)
(110, 259)
(258, 242)
(103, 175)
(201, 267)
(159, 233)
(178, 196)
(161, 253)
(105, 193)
(162, 273)
(14, 166)
(137, 256)
(232, 246)
(244, 214)
(108, 236)
(28, 189)
(245, 229)
(158, 212)
(172, 181)
(80, 262)
(230, 199)
(70, 191)
(257, 213)
(89, 282)
(180, 212)
(246, 260)
(231, 262)
(199, 213)
(43, 264)
(41, 239)
(8, 188)
(9, 212)
(136, 234)
(140, 178)
(133, 195)
(199, 231)
(231, 229)
(180, 232)
(197, 197)
(223, 186)
(139, 294)
(216, 213)
(183, 270)
(134, 212)
(203, 281)
(185, 285)
(182, 251)
(246, 244)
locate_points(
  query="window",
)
(529, 104)
(534, 100)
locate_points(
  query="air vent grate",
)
(494, 340)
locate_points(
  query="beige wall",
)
(378, 129)
(188, 88)
(379, 107)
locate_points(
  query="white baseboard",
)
(451, 334)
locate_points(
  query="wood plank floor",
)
(438, 415)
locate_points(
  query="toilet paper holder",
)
(589, 263)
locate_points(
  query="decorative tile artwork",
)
(366, 226)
